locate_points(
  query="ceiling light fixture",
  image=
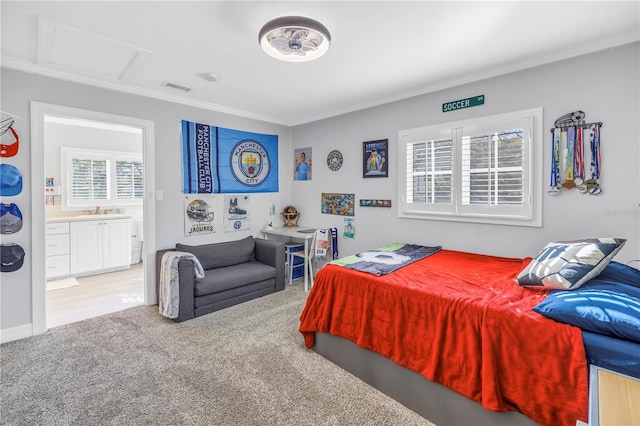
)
(294, 39)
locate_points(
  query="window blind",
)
(129, 180)
(89, 179)
(492, 168)
(101, 178)
(430, 163)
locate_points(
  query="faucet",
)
(97, 210)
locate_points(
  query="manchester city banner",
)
(219, 160)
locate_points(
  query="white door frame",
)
(38, 262)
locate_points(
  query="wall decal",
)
(334, 160)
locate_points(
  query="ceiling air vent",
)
(176, 86)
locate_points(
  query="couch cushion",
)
(218, 255)
(235, 295)
(228, 277)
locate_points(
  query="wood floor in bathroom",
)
(96, 295)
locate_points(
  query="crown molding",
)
(29, 67)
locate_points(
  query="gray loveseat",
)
(235, 272)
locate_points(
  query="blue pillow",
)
(566, 265)
(621, 273)
(601, 306)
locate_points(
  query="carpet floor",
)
(244, 365)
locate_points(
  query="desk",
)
(292, 233)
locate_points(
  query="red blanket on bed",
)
(461, 320)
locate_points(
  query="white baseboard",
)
(16, 333)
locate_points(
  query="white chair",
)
(306, 256)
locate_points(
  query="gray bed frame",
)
(432, 401)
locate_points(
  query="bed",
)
(462, 322)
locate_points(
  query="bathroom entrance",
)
(94, 218)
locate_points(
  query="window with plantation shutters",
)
(129, 180)
(107, 179)
(89, 179)
(430, 165)
(477, 170)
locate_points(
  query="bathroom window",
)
(129, 180)
(101, 178)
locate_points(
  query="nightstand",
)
(613, 398)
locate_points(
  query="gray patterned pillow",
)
(566, 265)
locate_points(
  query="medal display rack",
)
(573, 119)
(568, 151)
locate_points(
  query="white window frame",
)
(130, 158)
(527, 214)
(66, 156)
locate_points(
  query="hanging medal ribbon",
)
(593, 186)
(571, 139)
(578, 172)
(555, 162)
(578, 177)
(563, 150)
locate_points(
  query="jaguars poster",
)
(217, 160)
(198, 215)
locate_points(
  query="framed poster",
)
(375, 158)
(338, 204)
(198, 215)
(236, 213)
(302, 164)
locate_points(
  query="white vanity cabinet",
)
(57, 249)
(100, 245)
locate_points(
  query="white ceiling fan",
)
(294, 39)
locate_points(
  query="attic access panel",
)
(78, 51)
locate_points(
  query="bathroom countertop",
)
(87, 217)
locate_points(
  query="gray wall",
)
(19, 89)
(603, 85)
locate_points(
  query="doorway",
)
(93, 182)
(94, 279)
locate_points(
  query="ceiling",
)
(380, 51)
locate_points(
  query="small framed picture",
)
(302, 164)
(375, 203)
(375, 158)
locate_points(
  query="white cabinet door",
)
(57, 266)
(57, 244)
(116, 243)
(85, 246)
